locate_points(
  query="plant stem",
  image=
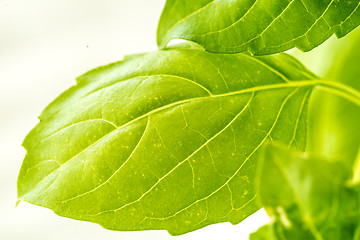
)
(341, 90)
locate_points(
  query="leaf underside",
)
(164, 140)
(262, 27)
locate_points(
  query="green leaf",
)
(164, 140)
(262, 27)
(307, 197)
(265, 232)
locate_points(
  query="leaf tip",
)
(17, 202)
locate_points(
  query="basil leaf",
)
(262, 27)
(164, 140)
(307, 197)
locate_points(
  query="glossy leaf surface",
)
(164, 140)
(262, 27)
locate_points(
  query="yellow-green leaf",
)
(164, 140)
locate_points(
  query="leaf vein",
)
(176, 103)
(299, 116)
(237, 171)
(108, 180)
(185, 160)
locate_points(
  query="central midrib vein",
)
(339, 89)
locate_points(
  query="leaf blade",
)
(260, 27)
(177, 143)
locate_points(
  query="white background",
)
(44, 45)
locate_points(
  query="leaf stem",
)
(341, 90)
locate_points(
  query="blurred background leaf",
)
(306, 197)
(334, 122)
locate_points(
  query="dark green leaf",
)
(262, 27)
(164, 140)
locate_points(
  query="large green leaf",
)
(262, 27)
(307, 197)
(164, 140)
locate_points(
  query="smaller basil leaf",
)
(262, 27)
(307, 197)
